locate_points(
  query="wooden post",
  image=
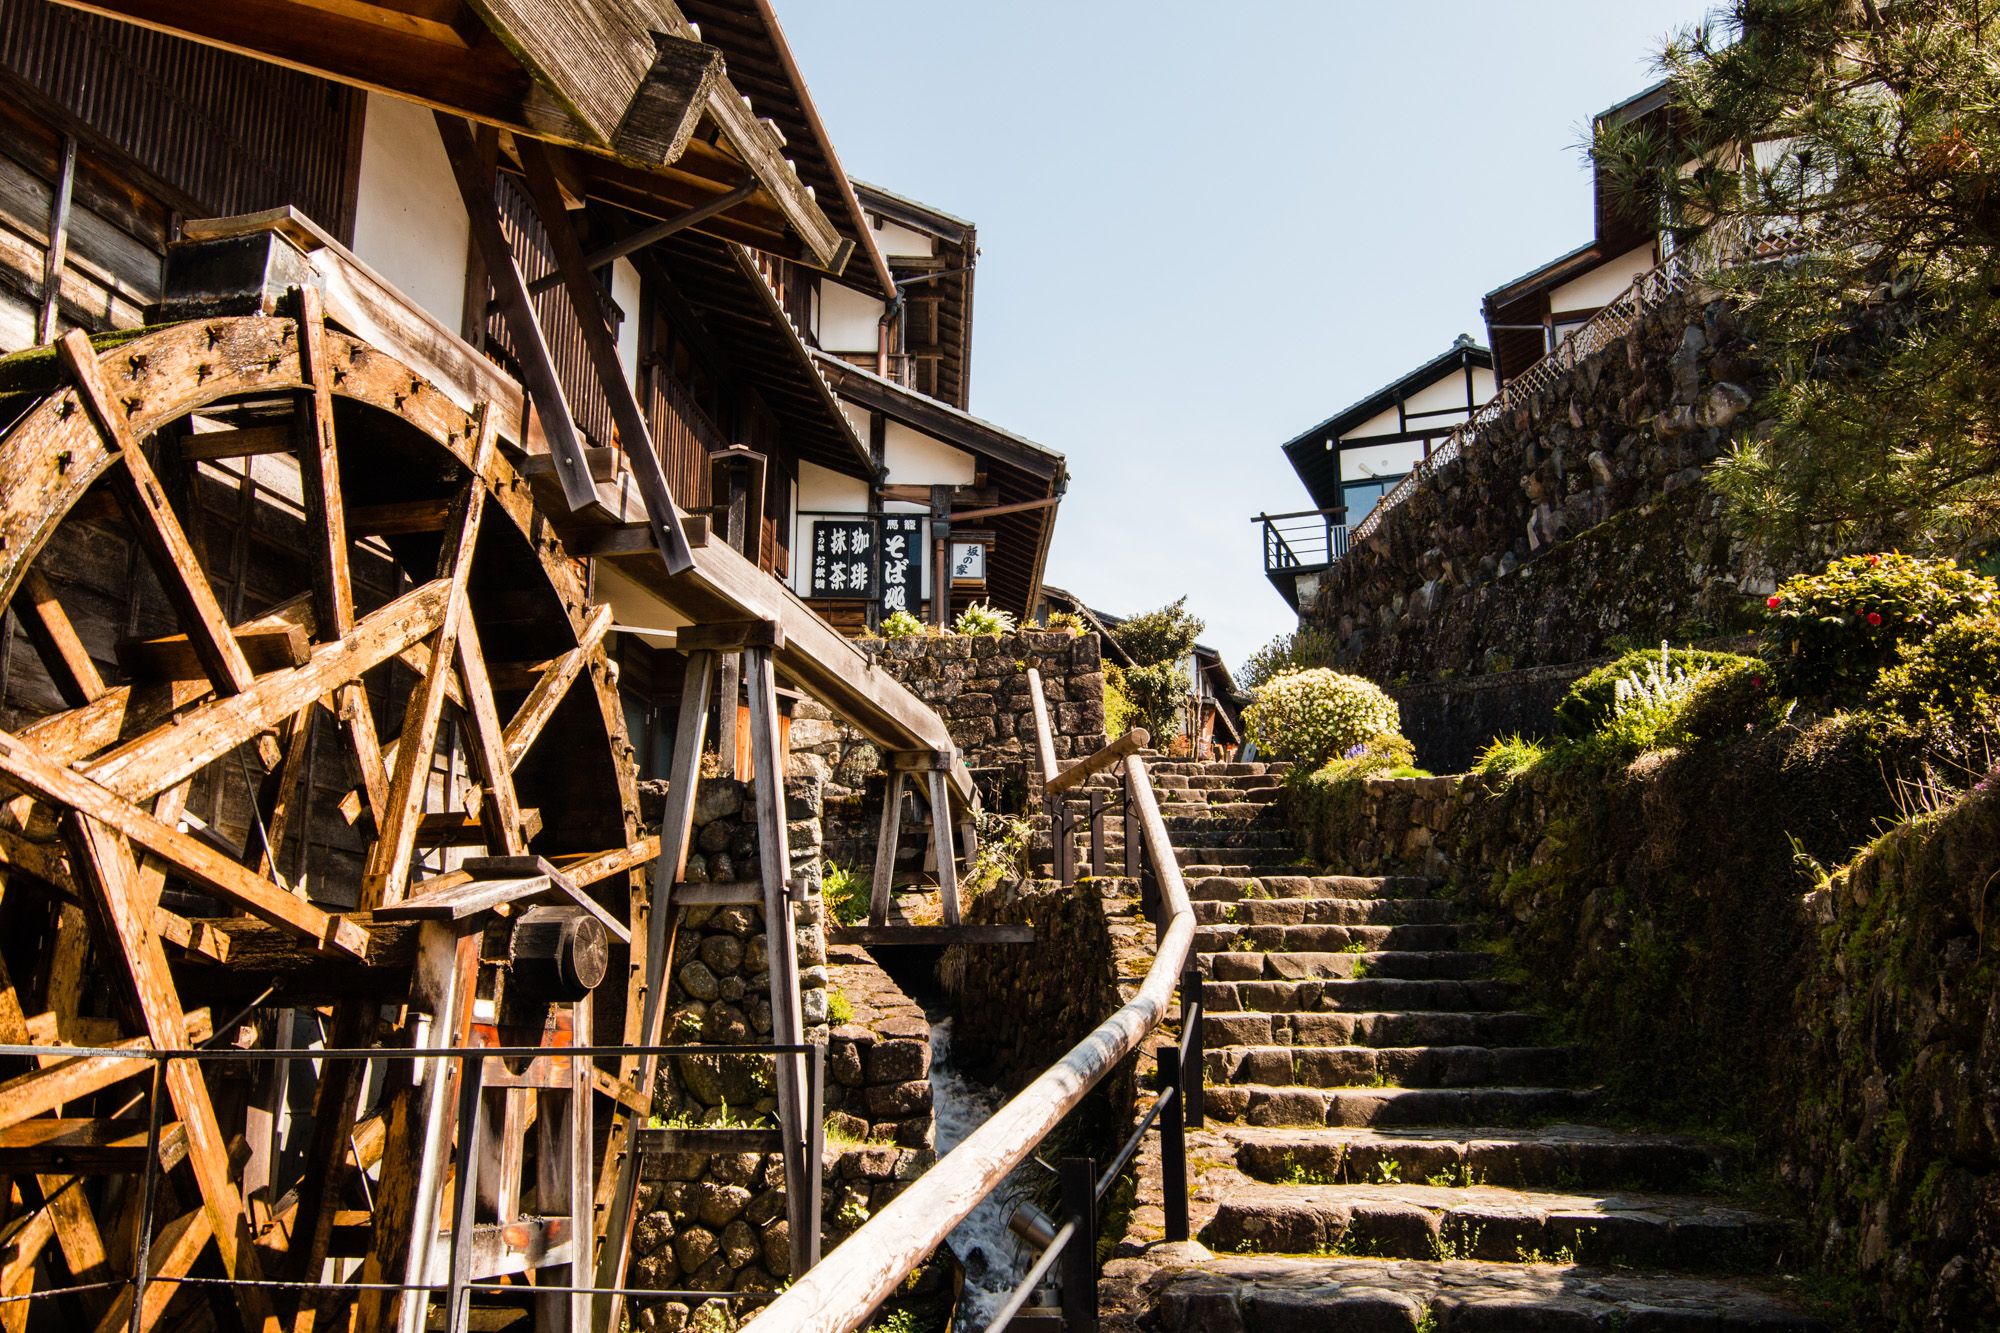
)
(562, 1181)
(787, 1019)
(1097, 832)
(887, 833)
(676, 825)
(727, 743)
(1045, 748)
(58, 251)
(947, 859)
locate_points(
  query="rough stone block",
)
(897, 1101)
(898, 1061)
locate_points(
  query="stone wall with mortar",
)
(1575, 526)
(1850, 1033)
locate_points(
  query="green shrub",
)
(839, 1009)
(845, 891)
(1508, 755)
(1165, 635)
(1953, 672)
(1118, 710)
(1588, 705)
(1067, 620)
(1728, 701)
(1387, 755)
(1647, 704)
(1315, 715)
(1828, 635)
(979, 618)
(902, 625)
(1154, 695)
(1300, 650)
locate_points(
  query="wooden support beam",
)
(163, 757)
(159, 532)
(587, 301)
(947, 857)
(266, 648)
(389, 870)
(456, 828)
(107, 864)
(538, 371)
(730, 636)
(85, 1146)
(499, 808)
(887, 834)
(676, 827)
(547, 695)
(175, 1248)
(20, 764)
(56, 643)
(386, 520)
(215, 445)
(787, 1021)
(1045, 748)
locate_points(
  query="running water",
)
(994, 1259)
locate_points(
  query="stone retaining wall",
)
(1661, 913)
(1580, 518)
(878, 1094)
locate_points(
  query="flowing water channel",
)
(994, 1259)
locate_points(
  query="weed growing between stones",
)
(1455, 1243)
(839, 1009)
(846, 891)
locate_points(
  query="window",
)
(1360, 496)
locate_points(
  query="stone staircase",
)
(1392, 1141)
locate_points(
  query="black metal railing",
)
(458, 1284)
(1305, 540)
(1177, 1107)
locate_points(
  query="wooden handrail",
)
(1044, 746)
(837, 1297)
(1076, 773)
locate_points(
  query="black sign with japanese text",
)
(902, 562)
(843, 556)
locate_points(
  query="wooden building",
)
(1348, 462)
(401, 458)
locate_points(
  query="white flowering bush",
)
(979, 618)
(1646, 709)
(1316, 715)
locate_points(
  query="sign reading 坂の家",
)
(843, 558)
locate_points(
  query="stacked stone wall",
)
(1576, 525)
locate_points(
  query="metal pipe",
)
(1034, 1278)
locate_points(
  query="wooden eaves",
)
(598, 76)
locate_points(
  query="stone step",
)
(1325, 938)
(1414, 965)
(1255, 1104)
(1262, 839)
(1690, 1233)
(1182, 809)
(1366, 1029)
(1324, 912)
(1365, 995)
(1337, 1295)
(1390, 1066)
(1558, 1156)
(1234, 888)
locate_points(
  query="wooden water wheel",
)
(294, 641)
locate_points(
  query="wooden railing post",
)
(1079, 1257)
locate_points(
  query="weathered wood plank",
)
(158, 530)
(157, 760)
(389, 869)
(175, 1248)
(107, 865)
(84, 1146)
(265, 648)
(56, 643)
(254, 894)
(549, 690)
(1045, 749)
(500, 808)
(215, 445)
(1110, 756)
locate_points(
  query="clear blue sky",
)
(1206, 228)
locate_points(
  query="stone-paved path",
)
(1392, 1143)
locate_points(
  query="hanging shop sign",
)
(902, 562)
(843, 556)
(968, 564)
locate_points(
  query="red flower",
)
(1874, 559)
(1773, 602)
(1756, 682)
(1874, 617)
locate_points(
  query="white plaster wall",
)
(896, 239)
(1483, 384)
(632, 605)
(1382, 423)
(1380, 460)
(625, 291)
(1447, 393)
(847, 319)
(915, 459)
(824, 489)
(1598, 286)
(409, 225)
